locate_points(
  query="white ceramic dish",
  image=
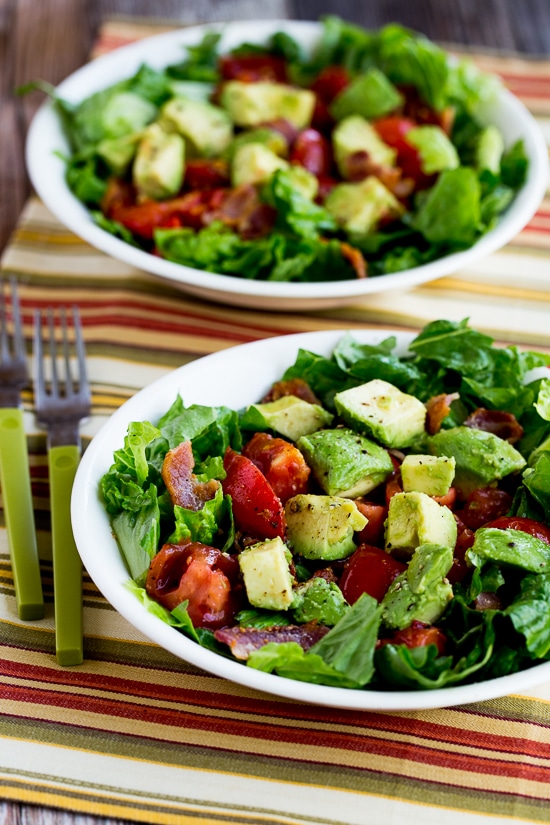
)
(217, 379)
(47, 170)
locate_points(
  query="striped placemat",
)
(134, 732)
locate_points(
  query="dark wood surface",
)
(48, 39)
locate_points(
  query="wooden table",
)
(51, 38)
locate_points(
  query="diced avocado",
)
(318, 600)
(344, 462)
(125, 113)
(267, 137)
(159, 163)
(250, 104)
(414, 519)
(207, 129)
(266, 573)
(303, 181)
(290, 416)
(394, 418)
(254, 163)
(435, 150)
(509, 547)
(118, 153)
(355, 134)
(489, 149)
(421, 593)
(359, 207)
(322, 527)
(371, 95)
(428, 474)
(481, 457)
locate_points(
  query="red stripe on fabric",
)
(382, 722)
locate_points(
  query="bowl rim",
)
(91, 527)
(47, 172)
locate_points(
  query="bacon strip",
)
(245, 640)
(293, 386)
(438, 407)
(498, 422)
(180, 481)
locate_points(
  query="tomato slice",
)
(369, 570)
(202, 575)
(484, 505)
(464, 541)
(330, 82)
(373, 532)
(393, 131)
(257, 510)
(282, 464)
(253, 68)
(312, 150)
(418, 635)
(206, 173)
(526, 525)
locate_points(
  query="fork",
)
(61, 404)
(14, 462)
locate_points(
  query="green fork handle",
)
(67, 567)
(19, 514)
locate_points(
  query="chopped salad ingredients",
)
(363, 158)
(375, 521)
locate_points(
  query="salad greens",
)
(250, 162)
(495, 616)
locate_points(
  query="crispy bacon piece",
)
(488, 601)
(241, 209)
(359, 165)
(118, 194)
(180, 481)
(245, 640)
(498, 422)
(294, 386)
(355, 258)
(284, 127)
(438, 407)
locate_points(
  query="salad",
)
(360, 159)
(374, 521)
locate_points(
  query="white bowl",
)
(47, 172)
(218, 380)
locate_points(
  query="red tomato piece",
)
(418, 635)
(206, 173)
(256, 508)
(393, 131)
(526, 525)
(312, 150)
(253, 68)
(448, 500)
(484, 505)
(281, 463)
(373, 533)
(464, 541)
(330, 82)
(393, 486)
(369, 570)
(203, 575)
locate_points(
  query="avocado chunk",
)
(428, 474)
(206, 128)
(489, 149)
(345, 463)
(250, 104)
(266, 573)
(355, 134)
(394, 418)
(267, 137)
(126, 113)
(118, 153)
(302, 181)
(159, 163)
(322, 527)
(254, 163)
(414, 519)
(481, 457)
(318, 600)
(421, 593)
(359, 207)
(371, 95)
(435, 150)
(509, 547)
(290, 416)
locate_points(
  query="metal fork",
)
(61, 404)
(14, 461)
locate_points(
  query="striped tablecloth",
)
(138, 734)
